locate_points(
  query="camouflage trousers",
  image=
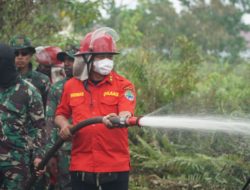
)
(42, 183)
(62, 158)
(13, 177)
(63, 170)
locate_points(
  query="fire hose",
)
(118, 122)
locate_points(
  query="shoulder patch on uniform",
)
(129, 95)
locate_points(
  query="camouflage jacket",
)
(39, 80)
(53, 99)
(21, 113)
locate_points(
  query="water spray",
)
(198, 123)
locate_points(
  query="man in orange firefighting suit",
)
(100, 156)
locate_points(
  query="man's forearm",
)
(61, 121)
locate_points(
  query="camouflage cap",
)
(22, 42)
(70, 52)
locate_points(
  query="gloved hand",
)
(114, 121)
(106, 120)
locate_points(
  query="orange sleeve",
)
(64, 108)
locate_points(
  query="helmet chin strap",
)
(89, 59)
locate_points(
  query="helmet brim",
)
(30, 48)
(61, 56)
(96, 53)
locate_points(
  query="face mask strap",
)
(89, 59)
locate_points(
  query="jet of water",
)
(197, 123)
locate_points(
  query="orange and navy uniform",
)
(96, 148)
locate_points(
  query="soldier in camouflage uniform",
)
(20, 106)
(53, 100)
(24, 52)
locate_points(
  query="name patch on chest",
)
(76, 94)
(111, 93)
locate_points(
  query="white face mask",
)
(103, 66)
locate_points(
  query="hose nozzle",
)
(131, 121)
(120, 122)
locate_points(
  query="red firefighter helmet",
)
(84, 45)
(48, 56)
(101, 41)
(103, 45)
